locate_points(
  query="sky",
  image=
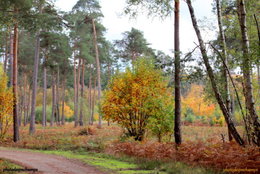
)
(160, 34)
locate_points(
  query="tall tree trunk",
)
(58, 98)
(15, 74)
(35, 81)
(63, 102)
(224, 55)
(82, 93)
(90, 97)
(53, 114)
(44, 120)
(98, 69)
(247, 75)
(11, 57)
(94, 100)
(258, 62)
(218, 96)
(75, 93)
(177, 64)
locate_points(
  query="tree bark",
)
(35, 81)
(247, 78)
(11, 56)
(90, 97)
(44, 120)
(218, 96)
(177, 64)
(93, 100)
(63, 102)
(53, 114)
(82, 93)
(14, 81)
(224, 55)
(58, 98)
(98, 69)
(75, 93)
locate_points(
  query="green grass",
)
(129, 165)
(6, 164)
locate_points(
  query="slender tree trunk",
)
(247, 75)
(44, 120)
(98, 69)
(63, 102)
(258, 62)
(219, 99)
(224, 54)
(15, 74)
(90, 98)
(58, 98)
(11, 57)
(75, 93)
(94, 100)
(177, 64)
(82, 93)
(35, 81)
(53, 114)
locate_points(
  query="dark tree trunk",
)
(247, 75)
(82, 93)
(177, 64)
(219, 99)
(98, 69)
(44, 120)
(15, 74)
(11, 56)
(224, 55)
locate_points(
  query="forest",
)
(73, 101)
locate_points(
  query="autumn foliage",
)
(139, 97)
(6, 105)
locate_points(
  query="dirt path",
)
(47, 164)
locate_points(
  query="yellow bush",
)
(6, 105)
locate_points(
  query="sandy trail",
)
(47, 164)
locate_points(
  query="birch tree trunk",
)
(218, 96)
(247, 78)
(224, 55)
(177, 64)
(98, 69)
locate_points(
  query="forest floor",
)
(204, 150)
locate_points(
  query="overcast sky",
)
(160, 34)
